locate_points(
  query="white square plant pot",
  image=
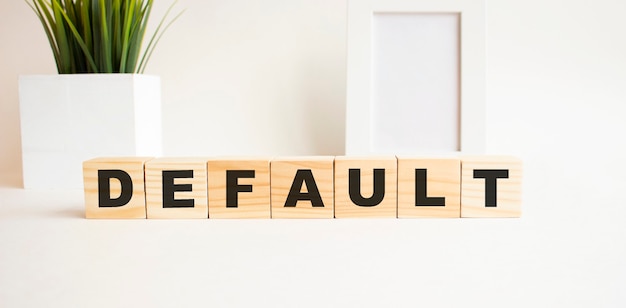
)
(67, 119)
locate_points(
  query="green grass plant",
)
(99, 36)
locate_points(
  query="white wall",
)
(254, 77)
(268, 77)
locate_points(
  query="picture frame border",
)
(472, 132)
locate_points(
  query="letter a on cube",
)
(302, 187)
(114, 187)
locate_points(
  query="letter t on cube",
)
(491, 186)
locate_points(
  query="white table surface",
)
(568, 250)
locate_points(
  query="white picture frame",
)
(471, 70)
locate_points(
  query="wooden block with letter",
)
(239, 187)
(365, 186)
(114, 187)
(302, 187)
(429, 187)
(491, 186)
(176, 188)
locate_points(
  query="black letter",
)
(491, 188)
(104, 188)
(169, 188)
(420, 191)
(304, 176)
(232, 187)
(354, 186)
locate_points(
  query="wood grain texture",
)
(443, 179)
(134, 166)
(345, 207)
(283, 172)
(252, 204)
(508, 190)
(154, 187)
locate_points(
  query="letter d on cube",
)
(114, 187)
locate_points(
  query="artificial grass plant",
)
(99, 36)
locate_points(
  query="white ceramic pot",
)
(66, 119)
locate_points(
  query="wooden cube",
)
(114, 187)
(176, 188)
(365, 186)
(429, 187)
(239, 187)
(302, 187)
(491, 186)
